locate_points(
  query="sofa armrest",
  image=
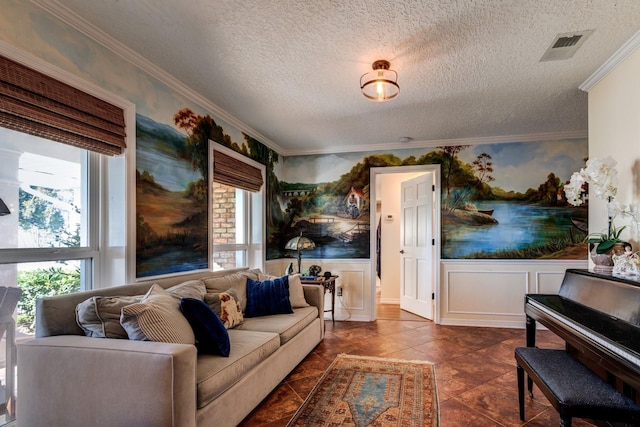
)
(314, 294)
(77, 380)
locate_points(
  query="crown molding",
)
(531, 137)
(618, 57)
(78, 23)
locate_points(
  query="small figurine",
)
(626, 264)
(315, 270)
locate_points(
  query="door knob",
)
(401, 251)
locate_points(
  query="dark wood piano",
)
(599, 318)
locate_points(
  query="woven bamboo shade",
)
(34, 103)
(235, 173)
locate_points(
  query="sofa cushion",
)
(236, 281)
(216, 374)
(157, 317)
(296, 292)
(99, 316)
(211, 335)
(226, 306)
(285, 325)
(268, 297)
(189, 289)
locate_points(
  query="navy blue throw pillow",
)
(268, 297)
(211, 335)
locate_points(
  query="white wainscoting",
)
(354, 276)
(491, 293)
(470, 293)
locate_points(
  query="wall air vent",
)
(565, 45)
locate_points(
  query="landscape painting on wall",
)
(502, 200)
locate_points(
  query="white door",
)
(416, 245)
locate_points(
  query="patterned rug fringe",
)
(384, 359)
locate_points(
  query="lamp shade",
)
(300, 243)
(4, 210)
(381, 84)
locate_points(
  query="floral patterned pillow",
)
(226, 306)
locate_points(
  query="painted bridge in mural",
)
(328, 226)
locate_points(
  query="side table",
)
(329, 284)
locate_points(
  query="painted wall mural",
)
(172, 190)
(502, 200)
(171, 208)
(499, 200)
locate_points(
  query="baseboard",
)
(345, 317)
(483, 323)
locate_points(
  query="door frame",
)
(373, 174)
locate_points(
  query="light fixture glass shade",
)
(381, 84)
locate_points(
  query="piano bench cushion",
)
(572, 383)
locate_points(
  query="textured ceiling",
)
(290, 70)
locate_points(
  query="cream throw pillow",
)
(296, 292)
(157, 318)
(189, 289)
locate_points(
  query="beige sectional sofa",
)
(69, 379)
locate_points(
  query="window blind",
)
(34, 103)
(235, 173)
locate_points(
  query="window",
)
(236, 213)
(47, 243)
(57, 236)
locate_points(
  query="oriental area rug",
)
(370, 391)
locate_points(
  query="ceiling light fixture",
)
(381, 84)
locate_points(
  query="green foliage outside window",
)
(43, 282)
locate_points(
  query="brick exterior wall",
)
(224, 224)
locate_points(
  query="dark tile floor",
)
(475, 369)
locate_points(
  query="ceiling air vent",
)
(565, 45)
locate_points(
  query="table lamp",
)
(299, 244)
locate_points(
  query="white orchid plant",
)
(602, 178)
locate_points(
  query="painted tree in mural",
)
(200, 129)
(482, 168)
(450, 166)
(265, 155)
(548, 191)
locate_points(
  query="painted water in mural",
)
(520, 228)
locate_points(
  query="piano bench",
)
(572, 389)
